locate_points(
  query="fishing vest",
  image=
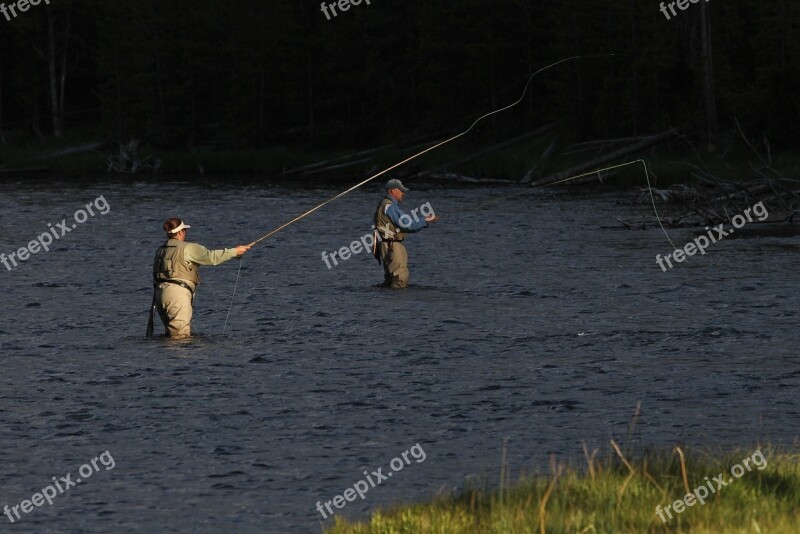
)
(169, 264)
(384, 226)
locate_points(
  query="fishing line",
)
(411, 158)
(597, 171)
(649, 188)
(236, 285)
(442, 143)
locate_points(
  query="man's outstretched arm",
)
(202, 256)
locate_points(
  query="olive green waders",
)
(394, 258)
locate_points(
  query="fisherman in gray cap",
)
(392, 225)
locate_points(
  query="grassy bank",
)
(617, 496)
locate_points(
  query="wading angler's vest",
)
(169, 264)
(384, 226)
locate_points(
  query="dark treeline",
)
(254, 73)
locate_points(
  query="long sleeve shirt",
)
(403, 220)
(200, 255)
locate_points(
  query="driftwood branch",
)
(359, 157)
(129, 162)
(606, 159)
(533, 172)
(600, 144)
(717, 200)
(74, 150)
(325, 165)
(494, 148)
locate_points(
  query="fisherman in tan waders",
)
(176, 277)
(392, 226)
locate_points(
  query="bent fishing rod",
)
(429, 149)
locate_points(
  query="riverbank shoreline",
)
(451, 163)
(660, 492)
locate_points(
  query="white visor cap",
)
(183, 226)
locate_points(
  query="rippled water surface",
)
(535, 318)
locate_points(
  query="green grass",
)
(615, 498)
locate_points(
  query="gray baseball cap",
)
(394, 183)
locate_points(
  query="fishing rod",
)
(429, 149)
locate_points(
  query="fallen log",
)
(460, 178)
(599, 144)
(334, 162)
(347, 160)
(598, 177)
(74, 150)
(604, 160)
(546, 155)
(499, 146)
(340, 166)
(26, 169)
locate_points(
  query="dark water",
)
(529, 319)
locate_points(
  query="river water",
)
(535, 319)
